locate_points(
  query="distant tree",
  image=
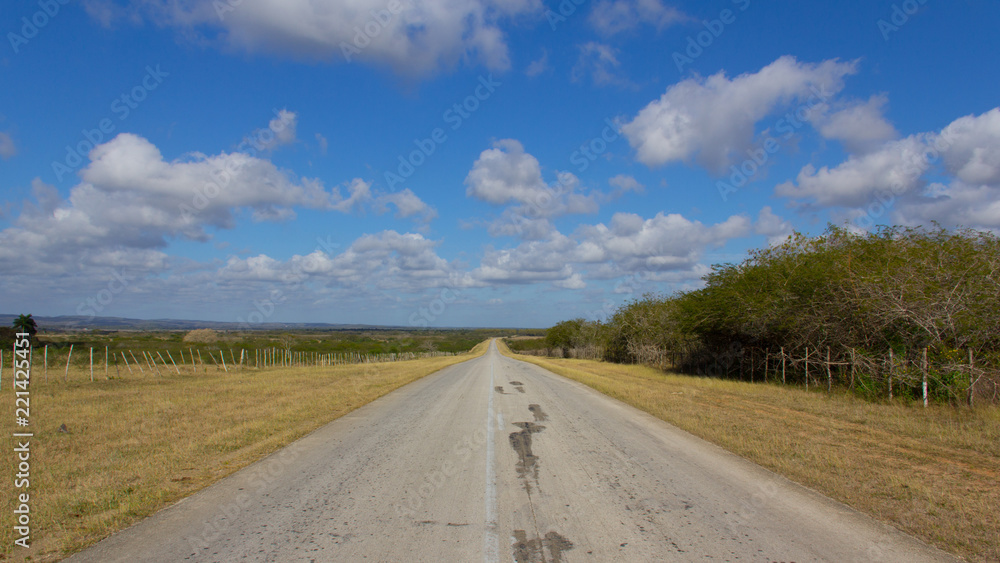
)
(7, 337)
(564, 335)
(24, 323)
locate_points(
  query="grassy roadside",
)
(932, 473)
(135, 446)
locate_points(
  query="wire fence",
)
(953, 376)
(66, 363)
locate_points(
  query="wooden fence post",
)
(165, 362)
(145, 357)
(68, 358)
(972, 382)
(890, 373)
(175, 363)
(829, 374)
(923, 368)
(150, 359)
(222, 355)
(136, 362)
(807, 368)
(782, 365)
(126, 362)
(46, 363)
(852, 370)
(767, 359)
(106, 363)
(91, 364)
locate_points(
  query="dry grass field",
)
(933, 473)
(131, 447)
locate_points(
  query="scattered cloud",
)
(712, 120)
(530, 262)
(7, 147)
(412, 38)
(972, 148)
(663, 242)
(623, 183)
(323, 144)
(600, 63)
(775, 228)
(131, 202)
(407, 204)
(666, 246)
(539, 65)
(504, 174)
(861, 127)
(900, 178)
(611, 17)
(387, 260)
(956, 203)
(898, 166)
(279, 131)
(507, 175)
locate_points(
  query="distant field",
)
(933, 473)
(133, 446)
(137, 354)
(367, 341)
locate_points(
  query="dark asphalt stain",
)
(525, 551)
(518, 385)
(499, 389)
(527, 463)
(557, 545)
(540, 415)
(534, 550)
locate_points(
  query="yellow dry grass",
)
(134, 446)
(933, 473)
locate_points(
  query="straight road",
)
(499, 460)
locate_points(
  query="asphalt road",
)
(499, 460)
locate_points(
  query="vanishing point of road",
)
(494, 460)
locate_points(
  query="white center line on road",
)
(491, 547)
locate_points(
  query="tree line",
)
(930, 295)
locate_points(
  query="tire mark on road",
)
(527, 462)
(533, 550)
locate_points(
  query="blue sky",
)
(467, 162)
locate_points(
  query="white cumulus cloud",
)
(412, 37)
(951, 177)
(507, 175)
(712, 120)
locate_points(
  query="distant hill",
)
(120, 323)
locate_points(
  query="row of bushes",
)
(848, 294)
